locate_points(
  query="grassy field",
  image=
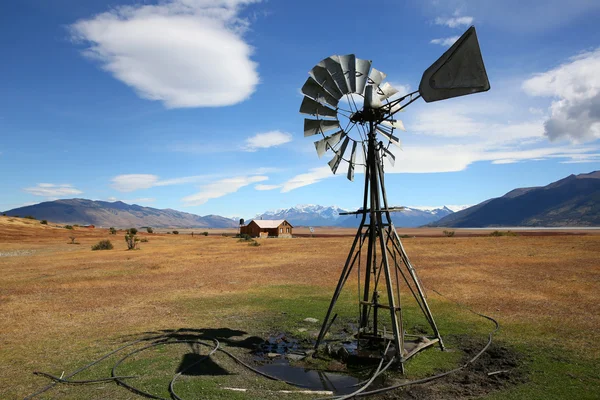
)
(63, 305)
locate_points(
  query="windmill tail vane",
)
(352, 111)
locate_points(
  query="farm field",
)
(63, 305)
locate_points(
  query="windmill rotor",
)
(331, 93)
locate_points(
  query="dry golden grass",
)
(56, 297)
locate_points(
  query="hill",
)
(118, 214)
(572, 201)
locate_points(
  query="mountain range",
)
(118, 214)
(316, 215)
(572, 201)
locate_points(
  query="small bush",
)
(75, 225)
(144, 240)
(44, 222)
(132, 241)
(175, 232)
(168, 233)
(73, 240)
(68, 226)
(132, 231)
(254, 243)
(103, 245)
(4, 214)
(29, 217)
(448, 233)
(507, 233)
(244, 237)
(112, 231)
(205, 233)
(149, 230)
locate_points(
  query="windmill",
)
(334, 91)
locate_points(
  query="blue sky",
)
(193, 104)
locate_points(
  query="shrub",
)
(244, 237)
(132, 231)
(205, 233)
(75, 225)
(132, 241)
(149, 230)
(29, 217)
(448, 233)
(175, 232)
(144, 240)
(4, 214)
(103, 245)
(112, 231)
(68, 227)
(73, 240)
(254, 243)
(44, 222)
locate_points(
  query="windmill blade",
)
(312, 107)
(395, 123)
(348, 63)
(376, 76)
(334, 68)
(362, 73)
(314, 126)
(352, 163)
(335, 161)
(315, 91)
(323, 78)
(393, 139)
(328, 142)
(386, 90)
(371, 98)
(389, 155)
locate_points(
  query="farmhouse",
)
(268, 228)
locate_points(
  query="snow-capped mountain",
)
(306, 215)
(316, 215)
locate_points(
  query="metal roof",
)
(269, 223)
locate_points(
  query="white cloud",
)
(575, 87)
(133, 182)
(52, 190)
(184, 53)
(313, 176)
(266, 187)
(454, 22)
(266, 140)
(221, 188)
(446, 42)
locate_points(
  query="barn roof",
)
(269, 223)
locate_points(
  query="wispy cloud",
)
(184, 53)
(221, 188)
(446, 42)
(313, 176)
(266, 140)
(454, 22)
(266, 187)
(133, 182)
(575, 88)
(52, 190)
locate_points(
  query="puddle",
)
(311, 379)
(272, 354)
